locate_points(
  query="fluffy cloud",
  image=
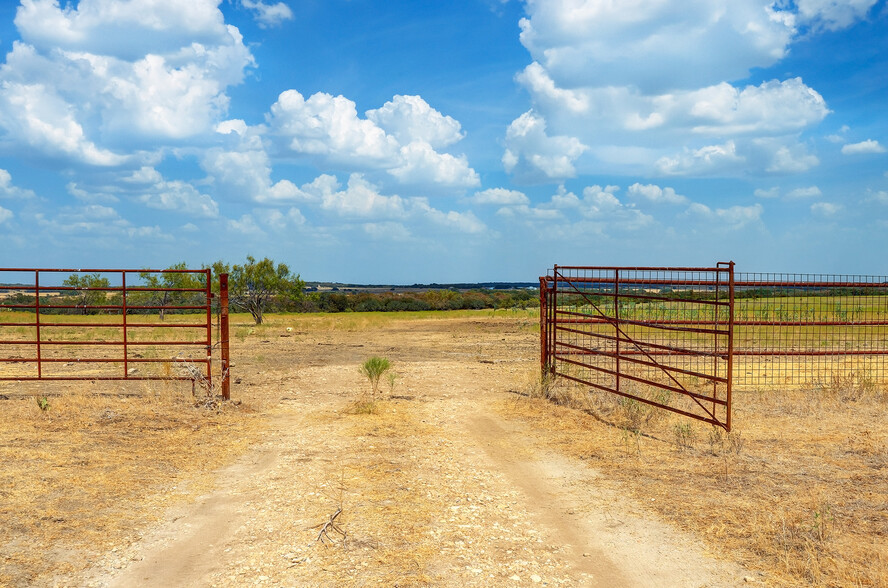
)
(463, 222)
(629, 83)
(500, 196)
(127, 29)
(268, 15)
(769, 193)
(361, 201)
(90, 82)
(92, 196)
(710, 159)
(8, 190)
(832, 14)
(422, 165)
(734, 217)
(637, 43)
(97, 224)
(792, 158)
(809, 192)
(533, 153)
(656, 194)
(598, 205)
(180, 197)
(329, 127)
(868, 146)
(826, 209)
(400, 138)
(37, 118)
(410, 118)
(244, 171)
(5, 215)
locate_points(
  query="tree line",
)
(257, 287)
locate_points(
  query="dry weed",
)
(84, 474)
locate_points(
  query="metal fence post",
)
(223, 327)
(544, 331)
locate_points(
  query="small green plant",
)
(374, 368)
(822, 522)
(685, 436)
(716, 440)
(392, 379)
(43, 403)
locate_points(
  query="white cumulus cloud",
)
(647, 86)
(401, 138)
(656, 194)
(180, 197)
(500, 196)
(832, 14)
(531, 151)
(268, 15)
(410, 118)
(809, 192)
(868, 146)
(733, 217)
(10, 190)
(93, 81)
(826, 209)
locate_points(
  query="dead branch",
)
(330, 524)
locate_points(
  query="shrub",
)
(374, 368)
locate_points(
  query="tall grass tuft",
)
(374, 368)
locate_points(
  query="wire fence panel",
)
(660, 336)
(682, 338)
(77, 324)
(799, 329)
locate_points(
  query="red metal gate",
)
(99, 324)
(660, 336)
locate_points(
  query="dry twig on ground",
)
(330, 524)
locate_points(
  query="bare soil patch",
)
(455, 479)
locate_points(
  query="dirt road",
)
(439, 487)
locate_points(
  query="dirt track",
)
(441, 487)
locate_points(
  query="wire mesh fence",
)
(798, 329)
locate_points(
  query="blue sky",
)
(401, 141)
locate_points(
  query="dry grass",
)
(797, 491)
(385, 518)
(81, 475)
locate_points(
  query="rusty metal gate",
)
(109, 324)
(660, 336)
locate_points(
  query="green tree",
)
(252, 286)
(168, 283)
(86, 294)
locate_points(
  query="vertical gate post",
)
(125, 338)
(37, 321)
(617, 329)
(223, 327)
(730, 342)
(544, 332)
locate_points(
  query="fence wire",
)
(798, 329)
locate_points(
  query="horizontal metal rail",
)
(607, 325)
(599, 327)
(90, 291)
